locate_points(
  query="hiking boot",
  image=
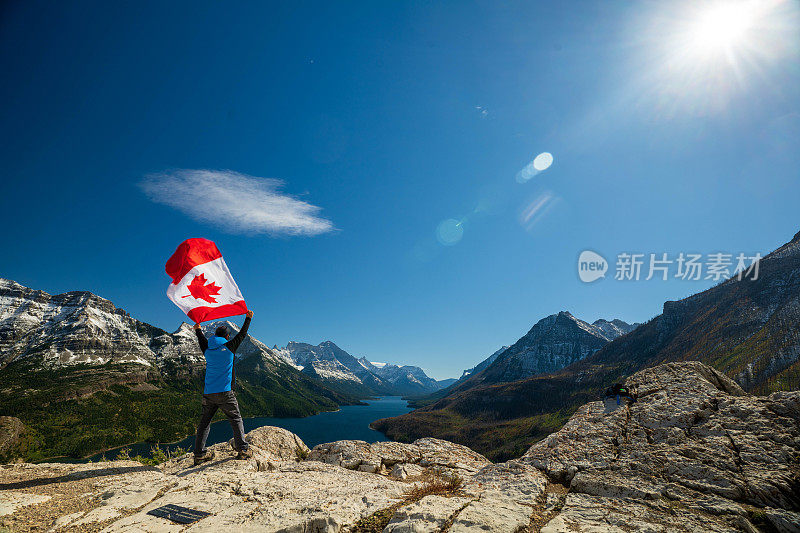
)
(206, 457)
(245, 454)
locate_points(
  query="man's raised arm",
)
(234, 343)
(201, 338)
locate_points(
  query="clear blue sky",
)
(392, 117)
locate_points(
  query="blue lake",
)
(349, 422)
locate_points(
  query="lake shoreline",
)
(68, 459)
(347, 422)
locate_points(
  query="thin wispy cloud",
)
(236, 202)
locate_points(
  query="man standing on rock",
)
(217, 392)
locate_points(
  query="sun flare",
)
(722, 26)
(701, 55)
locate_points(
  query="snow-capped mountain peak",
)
(332, 364)
(80, 328)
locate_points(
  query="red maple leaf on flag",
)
(202, 291)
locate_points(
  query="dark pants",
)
(227, 402)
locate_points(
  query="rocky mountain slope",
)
(745, 328)
(80, 327)
(341, 371)
(335, 367)
(552, 343)
(483, 364)
(117, 380)
(695, 453)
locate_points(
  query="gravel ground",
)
(73, 495)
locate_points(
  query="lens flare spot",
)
(539, 164)
(543, 161)
(537, 209)
(450, 231)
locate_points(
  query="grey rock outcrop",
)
(428, 515)
(693, 445)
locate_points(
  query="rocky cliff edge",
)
(695, 453)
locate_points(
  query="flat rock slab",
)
(11, 500)
(61, 495)
(506, 496)
(428, 515)
(306, 496)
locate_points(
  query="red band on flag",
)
(189, 254)
(201, 314)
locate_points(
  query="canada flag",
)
(202, 285)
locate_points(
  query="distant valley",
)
(747, 329)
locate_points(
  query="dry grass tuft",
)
(435, 483)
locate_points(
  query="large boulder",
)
(383, 457)
(276, 443)
(428, 515)
(507, 494)
(271, 445)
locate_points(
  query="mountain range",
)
(118, 380)
(343, 372)
(745, 328)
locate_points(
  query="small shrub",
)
(144, 460)
(158, 455)
(177, 451)
(123, 455)
(758, 517)
(433, 483)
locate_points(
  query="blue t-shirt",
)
(219, 366)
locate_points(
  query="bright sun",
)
(722, 26)
(701, 54)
